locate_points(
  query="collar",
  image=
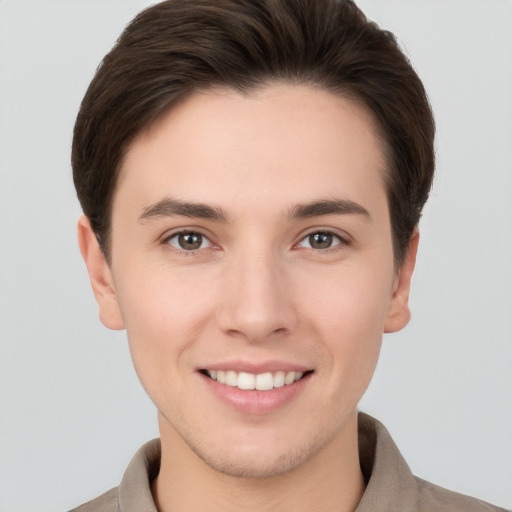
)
(390, 484)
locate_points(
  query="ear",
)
(100, 276)
(398, 312)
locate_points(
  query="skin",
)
(257, 289)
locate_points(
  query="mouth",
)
(251, 381)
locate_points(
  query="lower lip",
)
(253, 401)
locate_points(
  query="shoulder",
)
(105, 503)
(391, 486)
(134, 491)
(434, 497)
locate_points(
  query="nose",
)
(256, 301)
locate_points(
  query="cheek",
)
(348, 315)
(162, 300)
(163, 312)
(349, 301)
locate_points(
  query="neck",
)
(330, 480)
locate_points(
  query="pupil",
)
(190, 241)
(320, 240)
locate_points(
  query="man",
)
(252, 175)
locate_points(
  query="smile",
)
(260, 382)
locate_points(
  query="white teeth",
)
(246, 380)
(279, 380)
(264, 381)
(289, 378)
(261, 382)
(231, 378)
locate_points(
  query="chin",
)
(240, 466)
(259, 462)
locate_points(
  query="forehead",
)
(285, 141)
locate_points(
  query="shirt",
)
(391, 486)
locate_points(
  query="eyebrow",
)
(328, 207)
(170, 207)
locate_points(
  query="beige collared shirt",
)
(391, 487)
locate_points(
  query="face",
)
(252, 267)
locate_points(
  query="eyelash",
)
(183, 252)
(343, 241)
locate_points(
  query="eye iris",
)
(320, 240)
(190, 241)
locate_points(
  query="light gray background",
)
(72, 412)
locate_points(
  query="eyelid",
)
(167, 236)
(204, 241)
(169, 233)
(345, 238)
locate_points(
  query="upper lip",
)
(257, 367)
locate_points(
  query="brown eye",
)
(320, 240)
(189, 241)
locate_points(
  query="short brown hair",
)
(180, 46)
